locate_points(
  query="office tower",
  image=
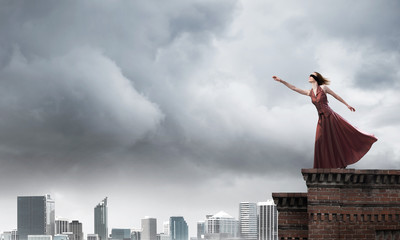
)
(201, 229)
(136, 235)
(76, 228)
(62, 225)
(101, 220)
(178, 228)
(93, 237)
(221, 226)
(166, 228)
(121, 234)
(248, 220)
(267, 221)
(35, 215)
(149, 229)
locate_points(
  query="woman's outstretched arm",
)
(328, 90)
(301, 91)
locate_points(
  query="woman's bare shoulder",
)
(325, 88)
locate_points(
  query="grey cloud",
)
(77, 101)
(145, 98)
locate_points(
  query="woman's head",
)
(316, 76)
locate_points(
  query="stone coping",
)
(352, 177)
(290, 200)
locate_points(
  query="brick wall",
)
(345, 204)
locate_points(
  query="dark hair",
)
(320, 79)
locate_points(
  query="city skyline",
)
(175, 224)
(168, 108)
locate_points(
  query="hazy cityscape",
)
(36, 220)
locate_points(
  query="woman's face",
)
(311, 79)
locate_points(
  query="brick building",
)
(342, 204)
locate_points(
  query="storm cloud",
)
(168, 107)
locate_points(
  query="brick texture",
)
(342, 204)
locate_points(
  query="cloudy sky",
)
(169, 108)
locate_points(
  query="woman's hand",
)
(351, 108)
(277, 79)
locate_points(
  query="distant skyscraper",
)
(248, 220)
(101, 220)
(76, 228)
(62, 225)
(149, 229)
(35, 215)
(201, 229)
(166, 228)
(121, 234)
(267, 221)
(178, 228)
(221, 226)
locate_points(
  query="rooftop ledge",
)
(315, 177)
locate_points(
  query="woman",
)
(337, 143)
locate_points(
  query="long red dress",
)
(337, 143)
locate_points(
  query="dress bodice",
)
(320, 100)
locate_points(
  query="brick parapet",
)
(350, 178)
(342, 204)
(293, 219)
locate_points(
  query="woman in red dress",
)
(337, 142)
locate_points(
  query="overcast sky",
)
(169, 108)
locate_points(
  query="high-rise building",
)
(101, 220)
(267, 221)
(120, 234)
(36, 215)
(62, 225)
(166, 228)
(248, 220)
(149, 229)
(178, 228)
(221, 226)
(76, 228)
(201, 229)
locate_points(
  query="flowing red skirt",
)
(338, 143)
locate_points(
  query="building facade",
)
(149, 229)
(178, 228)
(10, 235)
(136, 234)
(201, 229)
(93, 237)
(76, 228)
(40, 237)
(101, 220)
(221, 226)
(62, 225)
(61, 237)
(35, 216)
(120, 234)
(248, 220)
(267, 220)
